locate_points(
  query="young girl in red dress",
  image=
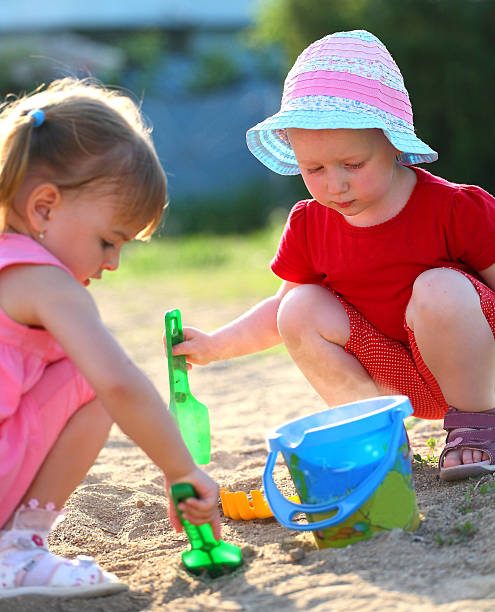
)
(387, 271)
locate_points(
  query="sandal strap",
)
(23, 539)
(483, 440)
(477, 436)
(455, 419)
(77, 572)
(21, 573)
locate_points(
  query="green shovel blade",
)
(207, 555)
(190, 415)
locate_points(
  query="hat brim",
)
(268, 140)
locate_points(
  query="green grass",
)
(226, 267)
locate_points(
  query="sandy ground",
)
(119, 516)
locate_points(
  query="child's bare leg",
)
(72, 456)
(456, 343)
(25, 562)
(315, 328)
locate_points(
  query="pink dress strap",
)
(19, 249)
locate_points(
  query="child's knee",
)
(308, 311)
(436, 294)
(294, 308)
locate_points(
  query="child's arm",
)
(58, 303)
(253, 331)
(488, 275)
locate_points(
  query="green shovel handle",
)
(177, 367)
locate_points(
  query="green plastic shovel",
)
(207, 556)
(190, 415)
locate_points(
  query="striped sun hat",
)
(344, 80)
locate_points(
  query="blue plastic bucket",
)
(351, 468)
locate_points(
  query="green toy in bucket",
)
(351, 468)
(190, 415)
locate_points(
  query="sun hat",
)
(344, 80)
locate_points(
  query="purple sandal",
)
(480, 435)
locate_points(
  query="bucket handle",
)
(284, 510)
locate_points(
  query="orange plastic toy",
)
(236, 505)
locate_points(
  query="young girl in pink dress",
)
(79, 177)
(388, 271)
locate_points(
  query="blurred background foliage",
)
(445, 50)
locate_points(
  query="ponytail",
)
(15, 144)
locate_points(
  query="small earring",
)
(41, 235)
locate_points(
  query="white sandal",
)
(23, 554)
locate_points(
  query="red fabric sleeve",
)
(292, 261)
(473, 227)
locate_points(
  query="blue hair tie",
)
(39, 117)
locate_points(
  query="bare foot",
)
(464, 456)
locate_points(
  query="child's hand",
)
(197, 347)
(197, 510)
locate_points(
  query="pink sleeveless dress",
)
(40, 388)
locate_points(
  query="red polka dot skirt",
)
(397, 368)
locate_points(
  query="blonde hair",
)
(90, 133)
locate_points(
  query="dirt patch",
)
(118, 514)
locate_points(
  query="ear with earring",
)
(41, 235)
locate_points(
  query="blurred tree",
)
(213, 70)
(445, 50)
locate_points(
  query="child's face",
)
(85, 235)
(351, 171)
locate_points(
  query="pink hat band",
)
(352, 87)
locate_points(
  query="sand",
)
(119, 513)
